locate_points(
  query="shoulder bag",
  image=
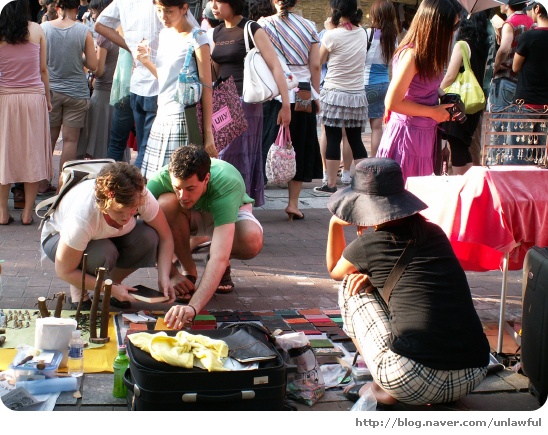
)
(259, 84)
(189, 87)
(280, 162)
(467, 86)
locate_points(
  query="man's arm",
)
(507, 36)
(221, 246)
(518, 62)
(112, 35)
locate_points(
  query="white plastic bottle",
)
(76, 355)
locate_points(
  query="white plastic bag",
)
(366, 402)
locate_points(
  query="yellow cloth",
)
(181, 350)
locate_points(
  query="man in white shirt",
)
(140, 25)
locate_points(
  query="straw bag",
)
(280, 161)
(467, 86)
(259, 84)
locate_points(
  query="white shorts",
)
(201, 223)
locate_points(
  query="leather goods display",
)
(259, 84)
(280, 162)
(228, 119)
(158, 386)
(189, 87)
(467, 86)
(534, 329)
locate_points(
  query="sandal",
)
(9, 221)
(226, 285)
(50, 190)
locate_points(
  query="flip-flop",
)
(10, 220)
(27, 223)
(201, 246)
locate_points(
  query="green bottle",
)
(121, 363)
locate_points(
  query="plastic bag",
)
(366, 402)
(307, 384)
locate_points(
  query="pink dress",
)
(25, 143)
(411, 140)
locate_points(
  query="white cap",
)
(76, 333)
(4, 3)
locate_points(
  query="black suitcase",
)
(534, 330)
(157, 386)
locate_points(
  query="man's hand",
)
(358, 282)
(179, 315)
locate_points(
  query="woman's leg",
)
(323, 149)
(333, 154)
(347, 159)
(366, 321)
(4, 194)
(31, 189)
(376, 134)
(294, 190)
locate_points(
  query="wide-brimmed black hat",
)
(375, 196)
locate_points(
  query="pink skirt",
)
(25, 142)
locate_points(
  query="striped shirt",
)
(292, 36)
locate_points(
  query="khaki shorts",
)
(67, 111)
(201, 223)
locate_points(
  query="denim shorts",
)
(375, 99)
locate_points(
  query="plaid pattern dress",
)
(168, 133)
(366, 319)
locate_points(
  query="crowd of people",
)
(92, 73)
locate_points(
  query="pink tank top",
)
(20, 65)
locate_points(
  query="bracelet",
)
(193, 309)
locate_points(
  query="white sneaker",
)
(346, 178)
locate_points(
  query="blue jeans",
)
(122, 124)
(501, 95)
(144, 113)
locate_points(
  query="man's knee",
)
(248, 240)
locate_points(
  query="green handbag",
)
(467, 86)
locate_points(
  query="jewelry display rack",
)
(515, 136)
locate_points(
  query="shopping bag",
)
(228, 119)
(280, 161)
(467, 86)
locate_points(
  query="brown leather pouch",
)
(303, 98)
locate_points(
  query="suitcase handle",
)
(202, 398)
(127, 380)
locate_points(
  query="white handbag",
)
(259, 84)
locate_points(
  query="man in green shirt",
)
(203, 197)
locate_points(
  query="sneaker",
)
(325, 189)
(346, 178)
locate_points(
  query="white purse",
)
(259, 84)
